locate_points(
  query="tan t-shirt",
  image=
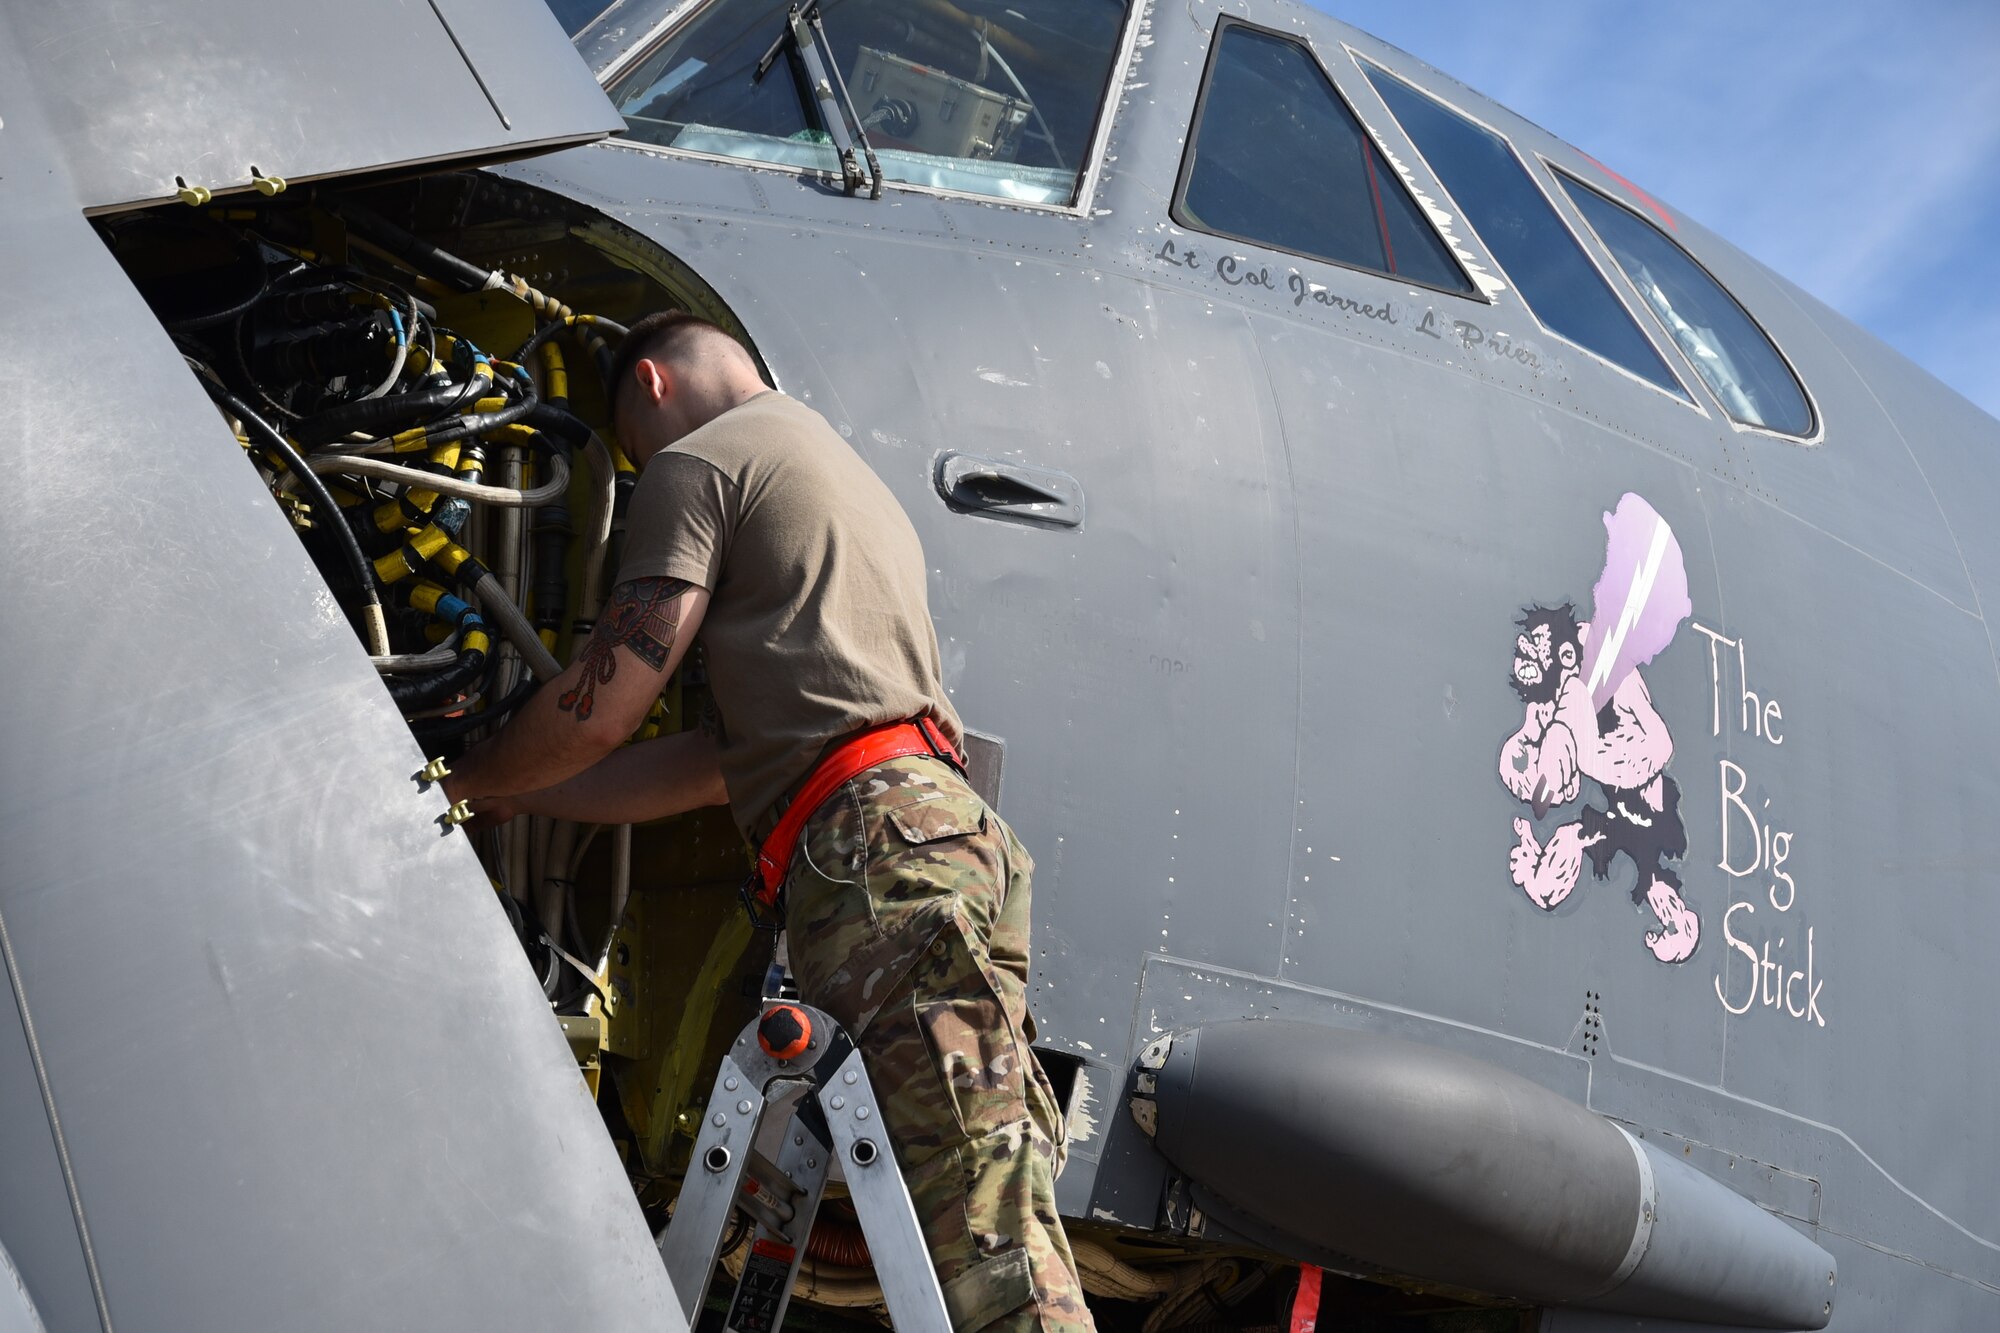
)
(817, 624)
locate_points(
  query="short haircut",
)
(660, 336)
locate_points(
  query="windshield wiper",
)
(806, 34)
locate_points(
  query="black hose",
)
(194, 322)
(335, 521)
(541, 335)
(554, 418)
(413, 692)
(159, 292)
(414, 250)
(480, 423)
(552, 532)
(552, 522)
(431, 731)
(373, 415)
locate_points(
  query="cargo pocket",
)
(937, 816)
(934, 844)
(979, 1056)
(990, 1290)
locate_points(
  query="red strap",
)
(1305, 1301)
(852, 757)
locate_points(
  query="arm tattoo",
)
(640, 617)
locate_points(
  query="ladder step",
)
(832, 1115)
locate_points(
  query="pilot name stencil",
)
(1238, 271)
(1589, 718)
(1753, 844)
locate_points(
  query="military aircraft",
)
(1347, 505)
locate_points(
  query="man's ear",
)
(655, 380)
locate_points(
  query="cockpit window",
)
(1525, 234)
(1278, 159)
(1731, 354)
(575, 15)
(992, 97)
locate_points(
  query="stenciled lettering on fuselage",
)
(1227, 269)
(1593, 751)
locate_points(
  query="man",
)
(905, 899)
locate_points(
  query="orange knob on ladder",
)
(784, 1032)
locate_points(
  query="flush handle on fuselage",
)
(995, 488)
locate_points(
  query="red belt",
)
(848, 760)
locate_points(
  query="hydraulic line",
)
(551, 527)
(196, 322)
(549, 855)
(430, 732)
(603, 475)
(246, 250)
(592, 327)
(370, 415)
(414, 503)
(414, 250)
(514, 627)
(509, 527)
(624, 478)
(554, 419)
(458, 703)
(621, 886)
(487, 415)
(481, 420)
(551, 533)
(403, 332)
(413, 692)
(349, 465)
(397, 663)
(372, 619)
(453, 271)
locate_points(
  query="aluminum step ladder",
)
(798, 1063)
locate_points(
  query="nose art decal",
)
(1588, 715)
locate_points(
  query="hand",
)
(491, 812)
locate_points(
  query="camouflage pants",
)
(907, 920)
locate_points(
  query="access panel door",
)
(145, 98)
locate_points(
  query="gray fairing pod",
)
(1435, 1165)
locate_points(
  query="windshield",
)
(993, 97)
(575, 15)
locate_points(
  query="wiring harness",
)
(464, 517)
(430, 477)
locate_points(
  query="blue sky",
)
(1852, 145)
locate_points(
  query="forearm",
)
(541, 747)
(586, 713)
(638, 783)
